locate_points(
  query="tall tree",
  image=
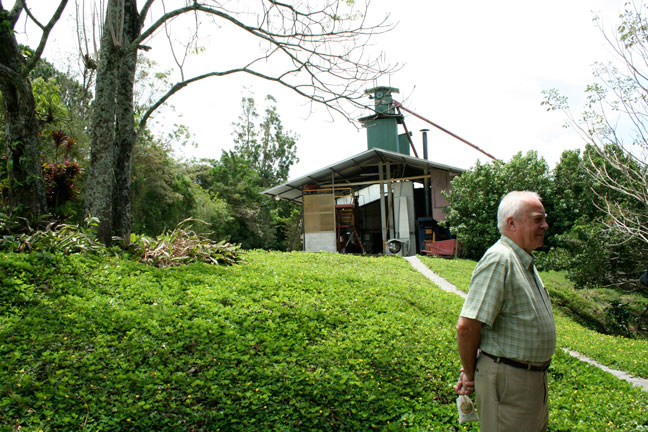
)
(615, 124)
(315, 49)
(270, 149)
(475, 195)
(262, 156)
(26, 192)
(113, 128)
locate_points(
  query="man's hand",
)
(465, 386)
(468, 338)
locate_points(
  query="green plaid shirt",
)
(507, 295)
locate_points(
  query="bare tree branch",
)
(11, 75)
(30, 15)
(315, 48)
(144, 11)
(46, 32)
(14, 14)
(305, 40)
(615, 124)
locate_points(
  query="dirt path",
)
(447, 286)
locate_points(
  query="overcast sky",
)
(476, 68)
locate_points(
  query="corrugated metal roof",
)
(361, 168)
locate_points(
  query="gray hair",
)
(511, 205)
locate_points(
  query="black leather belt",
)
(517, 364)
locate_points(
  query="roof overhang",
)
(359, 171)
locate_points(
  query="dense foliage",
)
(289, 342)
(566, 192)
(224, 195)
(475, 195)
(579, 240)
(261, 158)
(60, 186)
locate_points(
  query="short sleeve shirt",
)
(507, 295)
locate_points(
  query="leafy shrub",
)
(61, 238)
(182, 246)
(475, 195)
(601, 257)
(556, 258)
(60, 181)
(619, 315)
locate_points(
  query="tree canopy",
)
(24, 176)
(315, 49)
(614, 122)
(475, 195)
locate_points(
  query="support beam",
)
(383, 220)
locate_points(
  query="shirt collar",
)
(526, 258)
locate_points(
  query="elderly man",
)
(506, 332)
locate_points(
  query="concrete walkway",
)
(447, 286)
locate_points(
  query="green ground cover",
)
(455, 271)
(574, 311)
(286, 342)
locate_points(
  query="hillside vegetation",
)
(285, 342)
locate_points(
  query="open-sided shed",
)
(347, 195)
(379, 201)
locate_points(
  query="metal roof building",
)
(360, 171)
(379, 201)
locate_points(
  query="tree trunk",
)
(26, 191)
(125, 137)
(99, 190)
(113, 127)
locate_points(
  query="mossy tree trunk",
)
(26, 191)
(113, 124)
(99, 189)
(126, 135)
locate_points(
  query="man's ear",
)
(510, 223)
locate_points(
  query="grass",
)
(286, 342)
(455, 271)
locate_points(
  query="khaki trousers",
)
(510, 399)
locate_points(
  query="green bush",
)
(475, 196)
(55, 238)
(60, 186)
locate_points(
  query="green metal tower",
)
(382, 125)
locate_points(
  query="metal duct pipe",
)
(426, 182)
(425, 143)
